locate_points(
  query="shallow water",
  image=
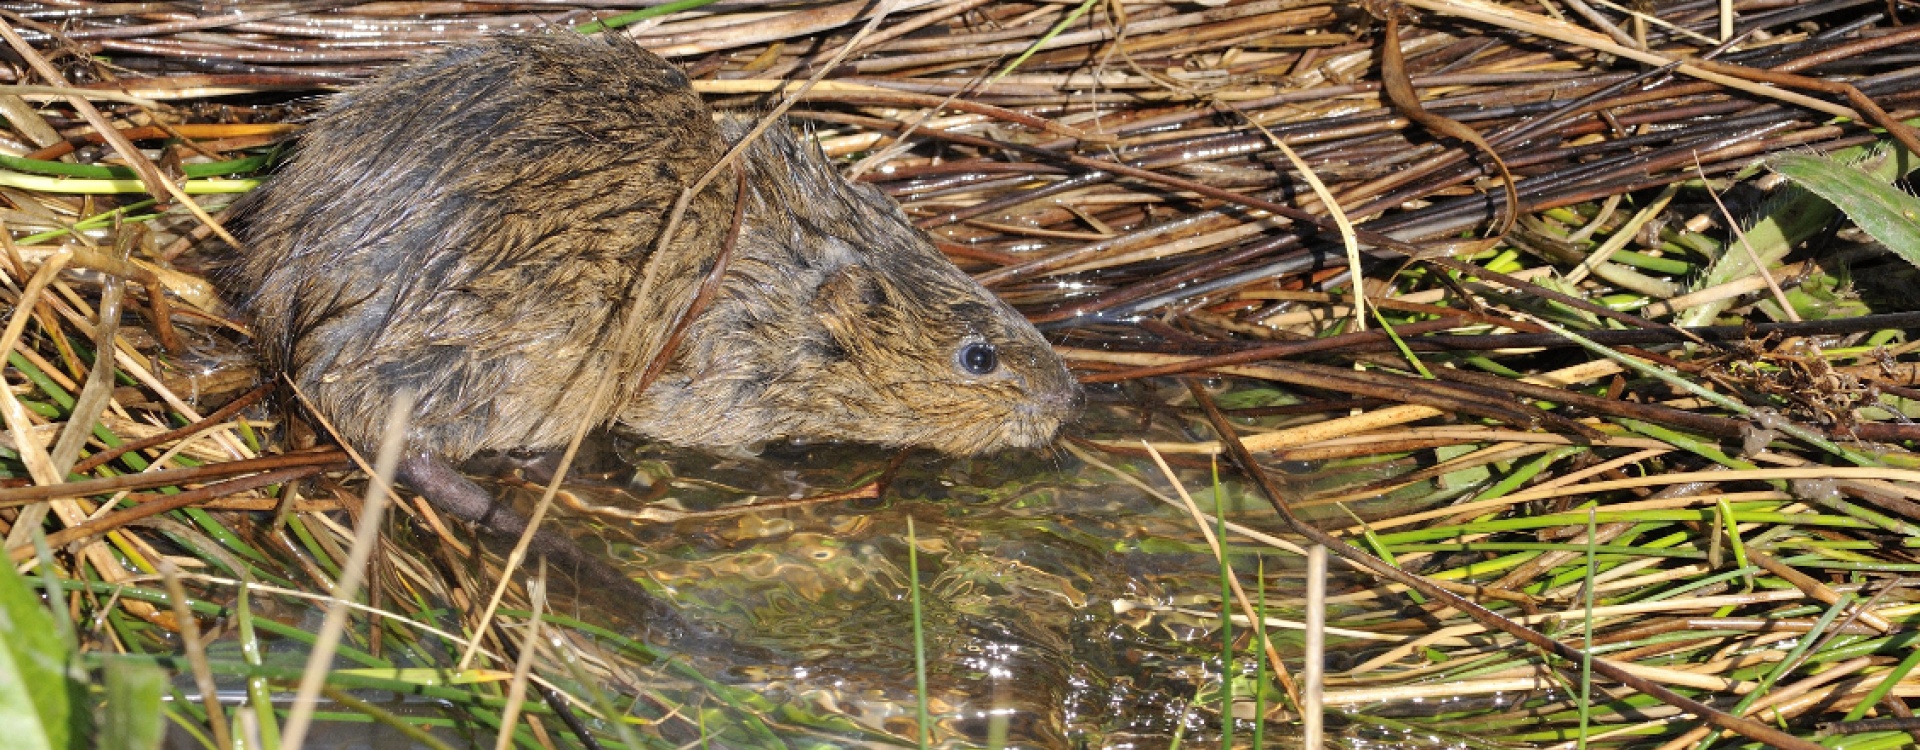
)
(1022, 559)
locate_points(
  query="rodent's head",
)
(839, 320)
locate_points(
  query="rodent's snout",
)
(1068, 401)
(1048, 411)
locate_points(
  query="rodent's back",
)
(474, 227)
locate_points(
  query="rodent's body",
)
(480, 228)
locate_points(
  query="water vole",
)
(475, 225)
(481, 227)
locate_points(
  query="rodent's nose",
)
(1075, 398)
(1065, 401)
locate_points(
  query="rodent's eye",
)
(979, 358)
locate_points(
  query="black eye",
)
(979, 358)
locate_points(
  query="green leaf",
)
(1791, 216)
(36, 701)
(132, 717)
(1883, 211)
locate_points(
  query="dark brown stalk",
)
(1266, 352)
(1424, 179)
(1015, 198)
(1709, 425)
(1491, 403)
(205, 52)
(1179, 277)
(1895, 128)
(211, 21)
(908, 99)
(65, 147)
(708, 287)
(331, 458)
(147, 506)
(1473, 271)
(225, 413)
(1042, 264)
(1397, 87)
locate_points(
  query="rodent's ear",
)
(850, 292)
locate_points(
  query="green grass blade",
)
(1226, 612)
(132, 718)
(924, 714)
(1042, 41)
(625, 19)
(1883, 211)
(1586, 642)
(39, 706)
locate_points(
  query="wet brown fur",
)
(475, 226)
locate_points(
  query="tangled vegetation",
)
(1622, 391)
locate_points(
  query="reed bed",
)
(1559, 385)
